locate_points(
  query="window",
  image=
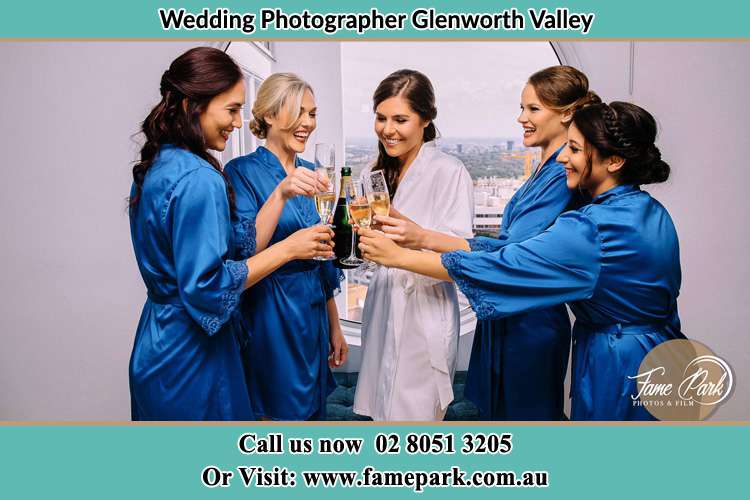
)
(255, 60)
(477, 87)
(242, 141)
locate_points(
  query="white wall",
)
(319, 63)
(698, 93)
(71, 292)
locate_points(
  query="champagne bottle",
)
(343, 230)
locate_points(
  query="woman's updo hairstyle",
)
(563, 88)
(416, 89)
(628, 131)
(277, 91)
(186, 88)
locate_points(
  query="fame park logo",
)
(682, 380)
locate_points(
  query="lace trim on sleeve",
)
(480, 245)
(452, 263)
(229, 299)
(245, 236)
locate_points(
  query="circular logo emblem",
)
(682, 380)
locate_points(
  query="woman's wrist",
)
(424, 240)
(286, 250)
(441, 243)
(403, 257)
(278, 193)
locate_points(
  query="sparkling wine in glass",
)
(380, 203)
(377, 193)
(325, 204)
(359, 211)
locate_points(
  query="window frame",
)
(254, 74)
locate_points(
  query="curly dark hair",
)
(625, 130)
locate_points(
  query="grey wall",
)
(71, 293)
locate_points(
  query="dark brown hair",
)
(563, 88)
(417, 90)
(192, 80)
(625, 130)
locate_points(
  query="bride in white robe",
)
(410, 323)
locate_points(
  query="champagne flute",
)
(380, 200)
(361, 213)
(350, 191)
(325, 160)
(325, 203)
(358, 205)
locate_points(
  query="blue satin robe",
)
(518, 363)
(616, 263)
(285, 315)
(186, 363)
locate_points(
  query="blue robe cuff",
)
(481, 244)
(229, 299)
(452, 263)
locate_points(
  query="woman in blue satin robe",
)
(518, 363)
(614, 261)
(290, 319)
(186, 363)
(514, 375)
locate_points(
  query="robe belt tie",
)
(316, 293)
(296, 267)
(622, 328)
(163, 301)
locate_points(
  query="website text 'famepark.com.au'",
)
(370, 477)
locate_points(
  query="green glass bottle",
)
(342, 229)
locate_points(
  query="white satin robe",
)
(410, 323)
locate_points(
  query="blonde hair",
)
(563, 88)
(277, 91)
